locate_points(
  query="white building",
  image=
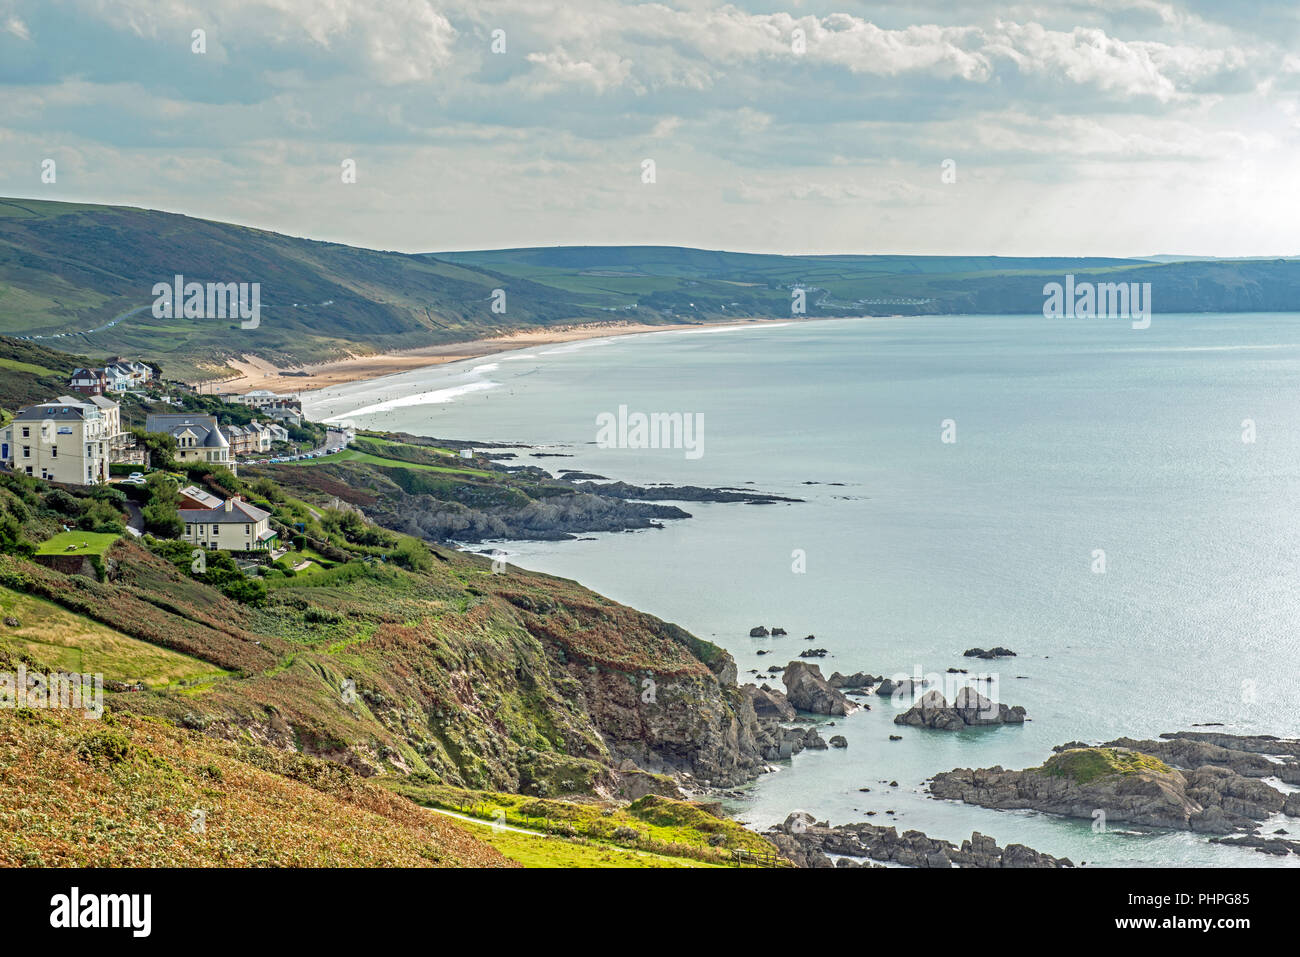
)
(264, 398)
(112, 412)
(234, 525)
(58, 441)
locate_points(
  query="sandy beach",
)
(259, 374)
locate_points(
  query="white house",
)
(58, 441)
(233, 525)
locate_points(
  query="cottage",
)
(234, 525)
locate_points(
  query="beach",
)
(258, 373)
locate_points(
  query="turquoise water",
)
(1071, 437)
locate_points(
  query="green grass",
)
(17, 366)
(352, 455)
(380, 440)
(95, 543)
(61, 640)
(542, 850)
(655, 824)
(1083, 765)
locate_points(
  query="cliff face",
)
(511, 682)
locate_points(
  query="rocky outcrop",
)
(807, 690)
(808, 843)
(998, 652)
(759, 631)
(1252, 757)
(769, 704)
(904, 688)
(780, 742)
(969, 709)
(1276, 846)
(859, 679)
(1125, 784)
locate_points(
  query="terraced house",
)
(234, 525)
(61, 441)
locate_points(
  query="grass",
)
(96, 543)
(380, 440)
(352, 455)
(124, 792)
(654, 824)
(61, 640)
(543, 850)
(15, 365)
(1083, 765)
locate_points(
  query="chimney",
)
(230, 505)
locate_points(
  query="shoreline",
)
(259, 374)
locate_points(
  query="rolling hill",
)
(79, 278)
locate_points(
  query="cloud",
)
(771, 123)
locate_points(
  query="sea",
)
(1119, 506)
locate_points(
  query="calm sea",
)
(1100, 512)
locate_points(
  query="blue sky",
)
(1076, 128)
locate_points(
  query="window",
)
(54, 451)
(27, 432)
(27, 454)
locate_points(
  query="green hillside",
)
(80, 278)
(679, 283)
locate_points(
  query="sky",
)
(1070, 128)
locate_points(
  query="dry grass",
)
(121, 792)
(61, 640)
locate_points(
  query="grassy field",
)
(96, 543)
(132, 792)
(352, 455)
(61, 640)
(656, 825)
(544, 850)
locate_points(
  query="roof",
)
(240, 512)
(58, 411)
(107, 405)
(200, 495)
(204, 427)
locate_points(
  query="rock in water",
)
(1175, 787)
(758, 631)
(809, 843)
(807, 690)
(769, 703)
(969, 708)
